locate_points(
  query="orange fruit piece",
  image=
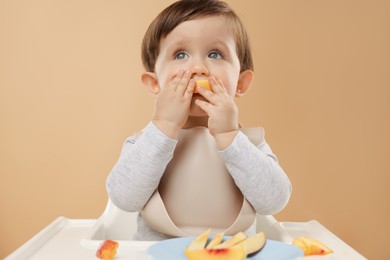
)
(107, 250)
(205, 84)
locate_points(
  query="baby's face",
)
(206, 47)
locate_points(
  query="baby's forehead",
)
(208, 19)
(214, 28)
(207, 32)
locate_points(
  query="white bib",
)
(197, 192)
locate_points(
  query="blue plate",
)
(173, 249)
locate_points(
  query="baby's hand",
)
(173, 104)
(221, 108)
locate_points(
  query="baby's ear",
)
(244, 82)
(149, 79)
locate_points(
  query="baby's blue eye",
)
(181, 55)
(215, 55)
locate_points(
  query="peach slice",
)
(107, 250)
(254, 243)
(311, 246)
(202, 83)
(237, 238)
(233, 253)
(216, 241)
(200, 241)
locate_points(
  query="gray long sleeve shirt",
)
(142, 162)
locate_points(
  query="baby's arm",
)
(258, 174)
(138, 171)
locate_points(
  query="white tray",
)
(61, 240)
(119, 225)
(80, 238)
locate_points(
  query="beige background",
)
(70, 93)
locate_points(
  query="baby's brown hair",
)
(186, 10)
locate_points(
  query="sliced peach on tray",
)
(254, 243)
(236, 247)
(202, 83)
(107, 250)
(311, 246)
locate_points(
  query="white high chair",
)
(116, 224)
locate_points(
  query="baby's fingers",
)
(176, 81)
(183, 82)
(206, 106)
(217, 86)
(207, 94)
(190, 89)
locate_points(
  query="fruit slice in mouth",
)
(205, 84)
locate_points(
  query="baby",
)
(193, 167)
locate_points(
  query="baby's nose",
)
(199, 67)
